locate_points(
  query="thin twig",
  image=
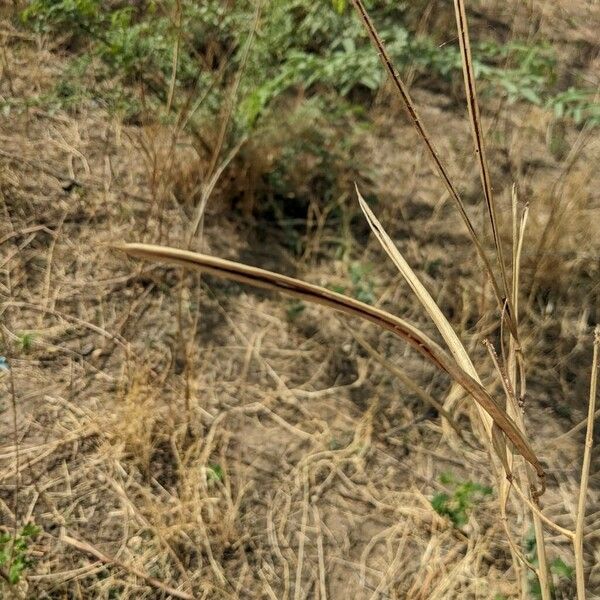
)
(176, 50)
(89, 549)
(13, 405)
(535, 509)
(478, 138)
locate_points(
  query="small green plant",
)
(456, 506)
(295, 309)
(362, 286)
(26, 341)
(530, 547)
(15, 555)
(580, 105)
(339, 5)
(558, 567)
(215, 473)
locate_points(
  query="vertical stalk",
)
(176, 49)
(585, 473)
(517, 373)
(543, 571)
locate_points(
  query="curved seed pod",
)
(254, 276)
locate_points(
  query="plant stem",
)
(585, 473)
(176, 49)
(543, 571)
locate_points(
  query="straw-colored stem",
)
(543, 570)
(537, 512)
(176, 50)
(477, 129)
(585, 474)
(516, 372)
(15, 432)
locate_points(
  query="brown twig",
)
(478, 139)
(89, 549)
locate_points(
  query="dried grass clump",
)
(138, 423)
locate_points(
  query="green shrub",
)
(558, 567)
(317, 46)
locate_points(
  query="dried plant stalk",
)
(478, 139)
(426, 138)
(312, 293)
(585, 471)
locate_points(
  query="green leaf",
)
(295, 309)
(446, 478)
(439, 503)
(531, 96)
(562, 569)
(16, 569)
(215, 473)
(26, 341)
(339, 6)
(30, 530)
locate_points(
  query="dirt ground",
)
(230, 443)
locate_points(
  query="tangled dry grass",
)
(178, 436)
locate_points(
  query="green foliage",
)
(120, 45)
(362, 286)
(456, 506)
(523, 72)
(562, 569)
(314, 45)
(311, 45)
(339, 5)
(579, 105)
(26, 341)
(62, 14)
(557, 567)
(215, 473)
(14, 552)
(295, 309)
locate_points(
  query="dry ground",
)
(202, 434)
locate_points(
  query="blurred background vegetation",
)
(305, 86)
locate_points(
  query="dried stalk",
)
(585, 472)
(478, 139)
(311, 293)
(155, 583)
(435, 158)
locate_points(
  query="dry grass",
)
(177, 433)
